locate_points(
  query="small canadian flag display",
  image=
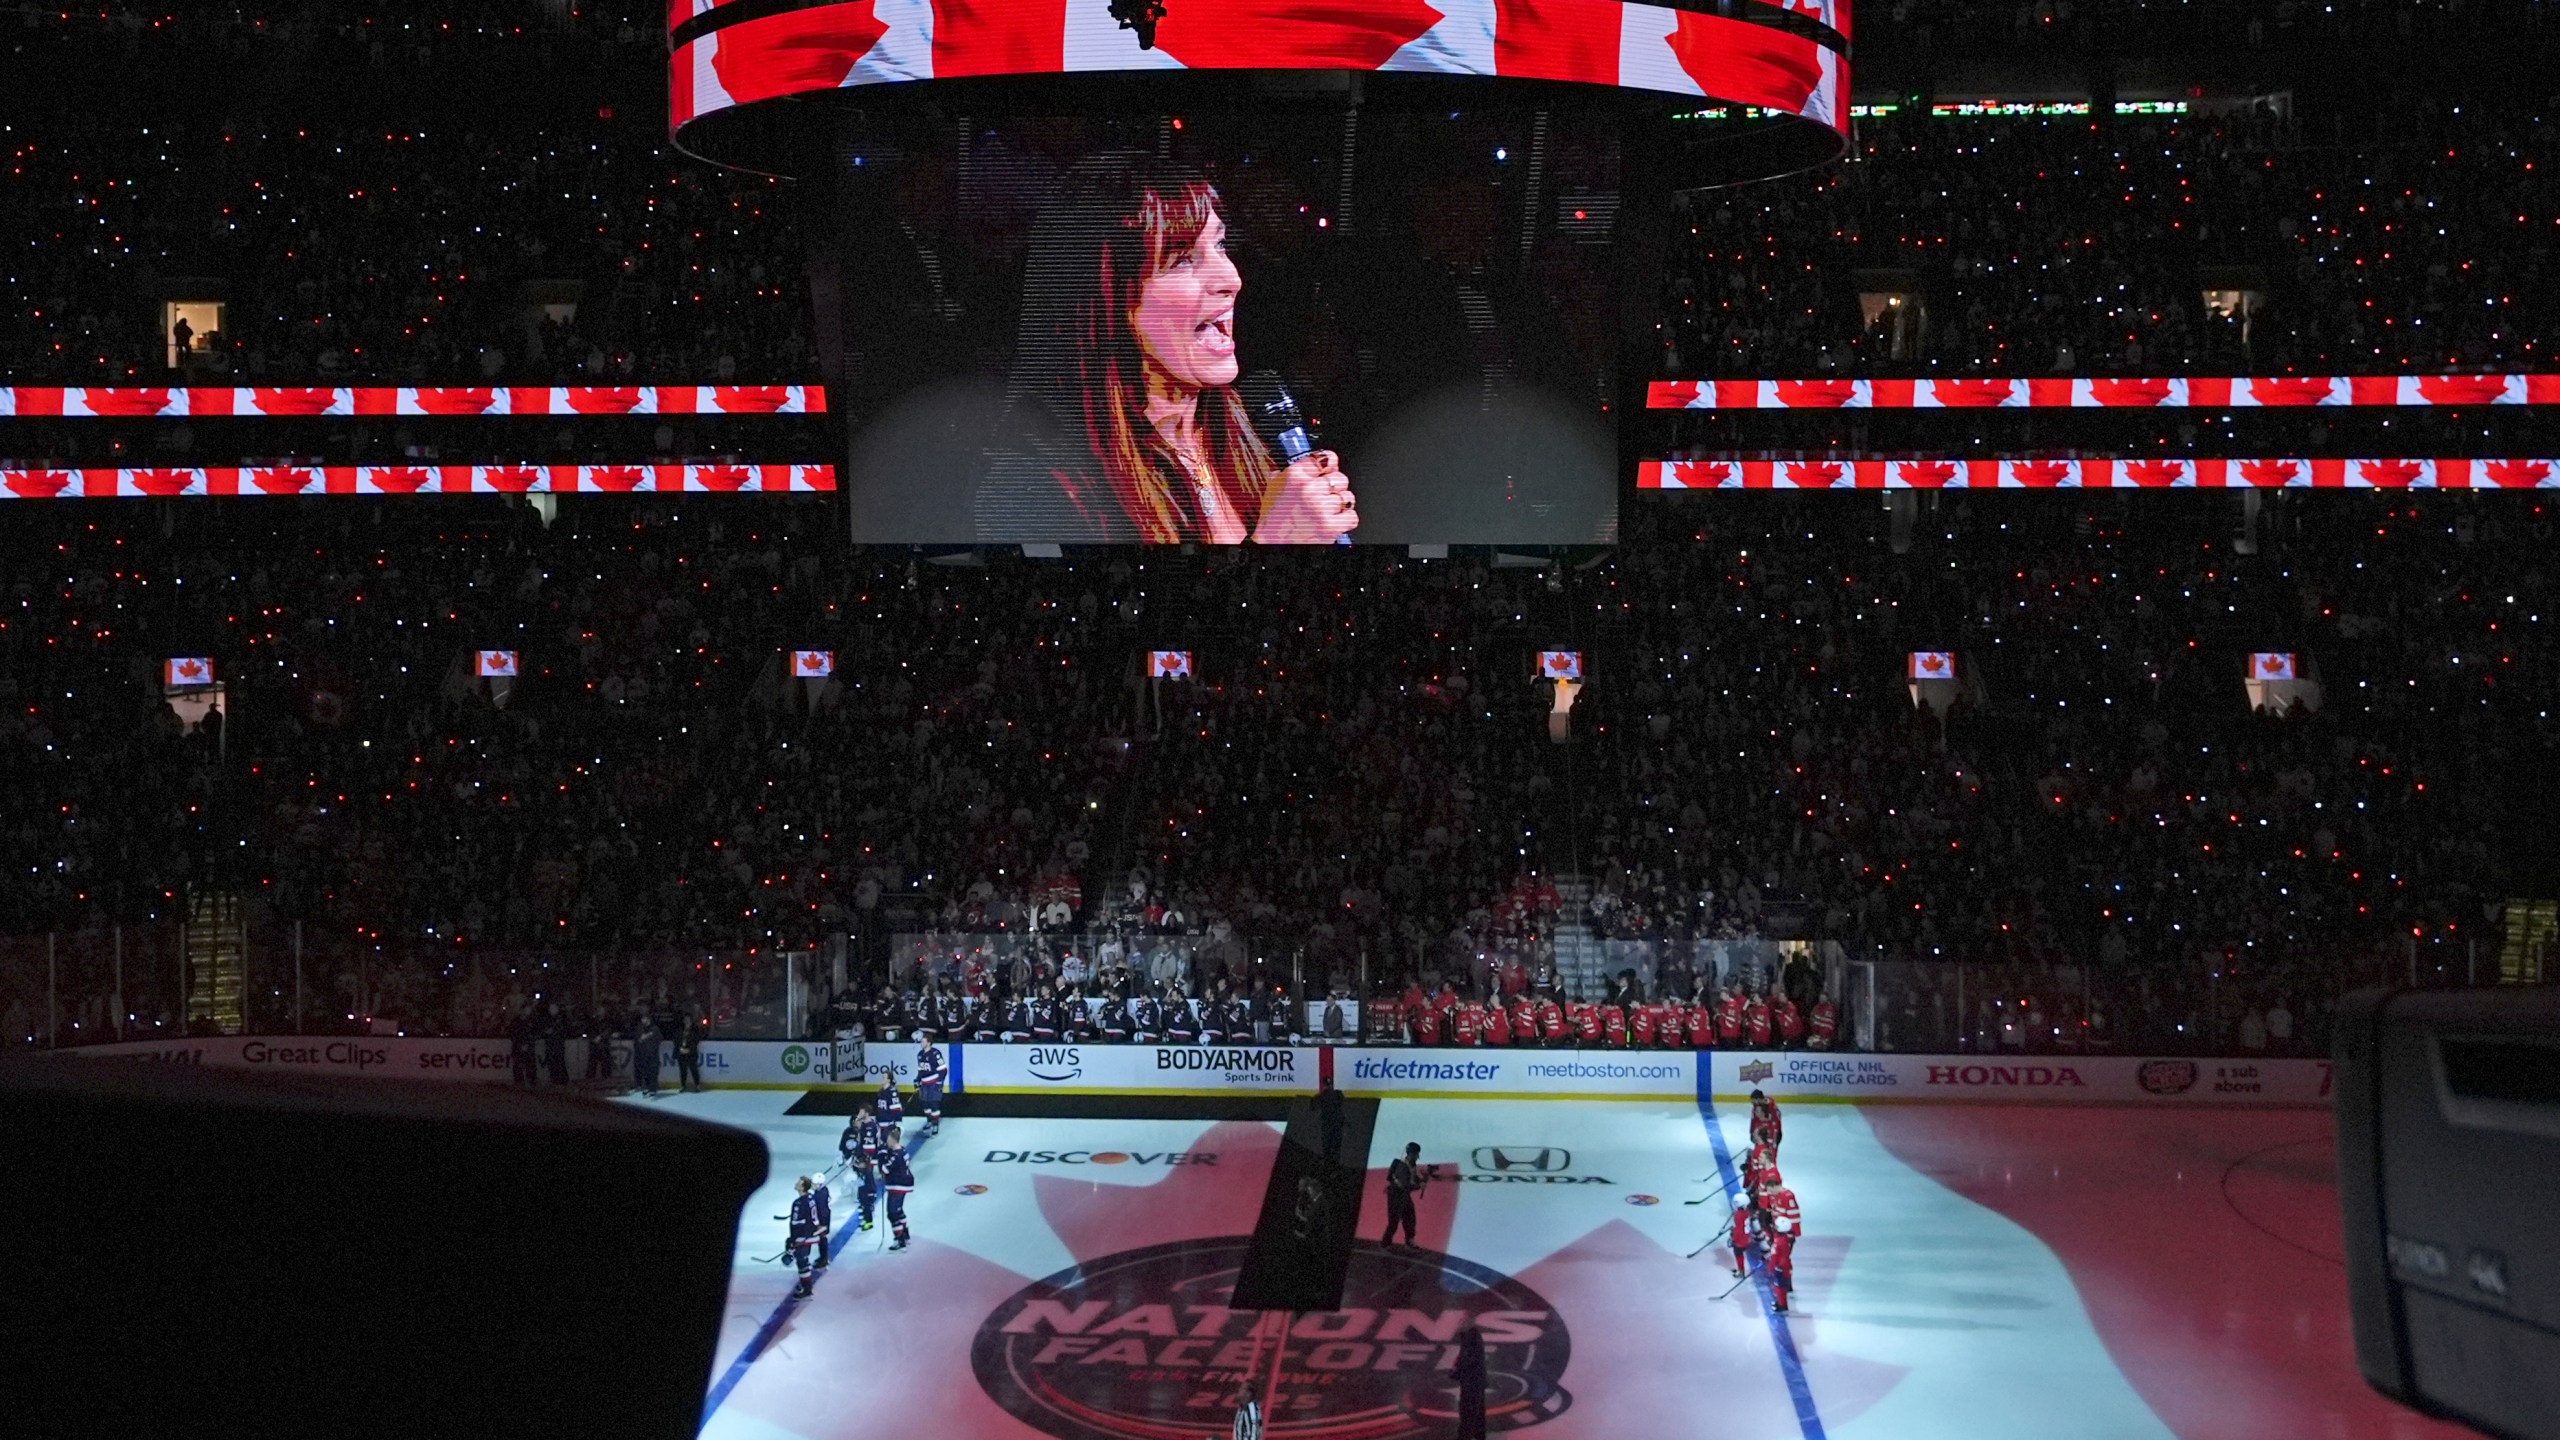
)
(496, 664)
(1933, 664)
(189, 670)
(813, 664)
(1168, 664)
(1559, 664)
(2271, 665)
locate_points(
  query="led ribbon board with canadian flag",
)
(188, 672)
(1933, 665)
(2272, 665)
(813, 664)
(2274, 473)
(2155, 392)
(1559, 664)
(494, 664)
(173, 402)
(1168, 664)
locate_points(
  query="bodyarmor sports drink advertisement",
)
(1285, 329)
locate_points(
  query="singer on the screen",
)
(1125, 424)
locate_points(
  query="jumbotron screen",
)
(1287, 328)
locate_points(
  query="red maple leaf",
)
(292, 402)
(2462, 389)
(1674, 394)
(1815, 474)
(134, 403)
(1750, 64)
(998, 37)
(750, 399)
(2517, 474)
(1933, 663)
(164, 482)
(2041, 474)
(2290, 389)
(617, 477)
(511, 479)
(724, 477)
(1927, 474)
(400, 479)
(2394, 474)
(796, 51)
(1701, 474)
(622, 399)
(1291, 34)
(2267, 473)
(1956, 394)
(456, 402)
(1816, 394)
(190, 669)
(2156, 474)
(282, 479)
(2130, 393)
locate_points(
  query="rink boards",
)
(1995, 1272)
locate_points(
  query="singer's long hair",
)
(1118, 220)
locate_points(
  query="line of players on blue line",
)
(874, 1148)
(1766, 1208)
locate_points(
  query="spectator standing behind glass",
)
(1123, 423)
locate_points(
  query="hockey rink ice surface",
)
(1984, 1272)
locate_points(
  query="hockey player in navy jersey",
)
(930, 1073)
(819, 1197)
(860, 1147)
(892, 1110)
(804, 1235)
(896, 1178)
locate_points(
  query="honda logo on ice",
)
(1505, 1158)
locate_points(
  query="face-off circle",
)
(1136, 1342)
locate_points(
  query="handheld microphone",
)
(1277, 419)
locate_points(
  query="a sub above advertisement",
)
(1133, 1069)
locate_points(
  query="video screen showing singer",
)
(1124, 420)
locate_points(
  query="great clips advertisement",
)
(1306, 329)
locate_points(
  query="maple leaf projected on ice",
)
(1123, 1342)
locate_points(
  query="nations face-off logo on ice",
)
(1115, 1348)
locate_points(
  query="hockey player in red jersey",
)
(1497, 1024)
(1586, 1023)
(1788, 1019)
(1426, 1025)
(1767, 1128)
(1743, 1211)
(1466, 1024)
(1551, 1024)
(1729, 1017)
(1524, 1019)
(1755, 1021)
(1783, 1224)
(1644, 1024)
(1826, 1024)
(1762, 1160)
(1613, 1025)
(1701, 1022)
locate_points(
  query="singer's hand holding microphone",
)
(1311, 502)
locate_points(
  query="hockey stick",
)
(1745, 1278)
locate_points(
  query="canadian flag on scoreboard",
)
(1933, 664)
(813, 664)
(2271, 665)
(1559, 664)
(495, 664)
(188, 671)
(1168, 664)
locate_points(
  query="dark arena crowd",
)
(1364, 817)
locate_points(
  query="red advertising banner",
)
(2133, 393)
(567, 401)
(163, 484)
(2146, 474)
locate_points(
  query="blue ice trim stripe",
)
(772, 1325)
(1791, 1364)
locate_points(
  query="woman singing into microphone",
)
(1123, 421)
